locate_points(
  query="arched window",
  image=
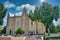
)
(17, 24)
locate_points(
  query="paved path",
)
(20, 38)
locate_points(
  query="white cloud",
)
(5, 21)
(11, 15)
(28, 7)
(56, 22)
(7, 4)
(18, 14)
(42, 1)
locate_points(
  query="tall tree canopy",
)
(46, 13)
(35, 17)
(31, 16)
(2, 13)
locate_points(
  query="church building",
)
(24, 22)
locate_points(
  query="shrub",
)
(20, 31)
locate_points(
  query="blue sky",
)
(16, 6)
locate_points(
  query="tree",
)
(58, 29)
(45, 14)
(53, 28)
(37, 16)
(48, 14)
(3, 30)
(2, 13)
(20, 31)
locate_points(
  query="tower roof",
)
(24, 11)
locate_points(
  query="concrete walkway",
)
(20, 38)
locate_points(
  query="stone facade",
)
(24, 22)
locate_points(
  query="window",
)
(17, 24)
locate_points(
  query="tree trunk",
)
(36, 26)
(48, 31)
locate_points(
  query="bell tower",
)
(25, 20)
(24, 11)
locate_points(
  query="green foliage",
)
(58, 29)
(37, 13)
(53, 28)
(49, 13)
(31, 16)
(20, 31)
(46, 14)
(2, 13)
(0, 32)
(3, 30)
(55, 12)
